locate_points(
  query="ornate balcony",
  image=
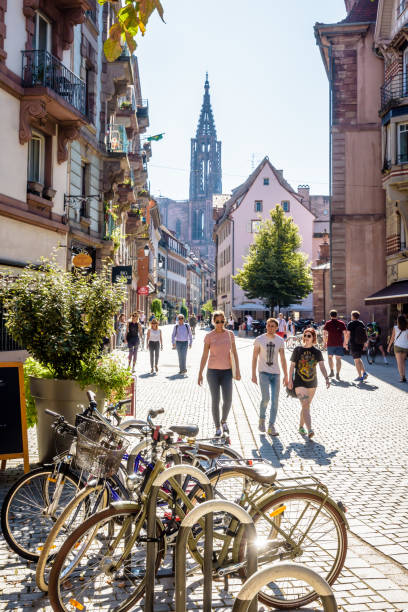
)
(142, 113)
(394, 92)
(43, 71)
(117, 143)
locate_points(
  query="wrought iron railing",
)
(142, 108)
(393, 90)
(78, 206)
(117, 140)
(6, 341)
(41, 69)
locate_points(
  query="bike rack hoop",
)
(270, 573)
(206, 510)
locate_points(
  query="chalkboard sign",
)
(13, 426)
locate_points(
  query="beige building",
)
(391, 44)
(73, 166)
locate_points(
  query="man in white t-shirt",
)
(266, 350)
(249, 320)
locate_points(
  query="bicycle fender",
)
(126, 505)
(280, 493)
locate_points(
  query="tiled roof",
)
(364, 11)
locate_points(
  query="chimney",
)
(324, 250)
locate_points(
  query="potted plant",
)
(61, 318)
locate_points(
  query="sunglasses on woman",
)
(221, 321)
(308, 336)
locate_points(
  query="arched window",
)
(178, 228)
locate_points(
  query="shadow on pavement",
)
(386, 373)
(340, 383)
(309, 449)
(176, 376)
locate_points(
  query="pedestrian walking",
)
(249, 321)
(303, 377)
(154, 342)
(290, 328)
(221, 353)
(120, 331)
(142, 319)
(399, 338)
(374, 342)
(231, 323)
(134, 336)
(282, 327)
(267, 347)
(357, 337)
(182, 339)
(334, 333)
(193, 323)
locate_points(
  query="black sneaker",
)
(337, 376)
(331, 374)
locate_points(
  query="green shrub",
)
(183, 309)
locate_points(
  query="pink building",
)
(249, 205)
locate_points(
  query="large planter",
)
(63, 396)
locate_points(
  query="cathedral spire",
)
(205, 170)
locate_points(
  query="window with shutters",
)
(285, 205)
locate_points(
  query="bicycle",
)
(108, 549)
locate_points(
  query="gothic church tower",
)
(205, 168)
(205, 178)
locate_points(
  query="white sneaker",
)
(261, 425)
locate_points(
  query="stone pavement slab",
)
(359, 452)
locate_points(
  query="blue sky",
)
(268, 87)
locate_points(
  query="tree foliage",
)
(61, 318)
(131, 20)
(274, 269)
(207, 307)
(156, 308)
(184, 309)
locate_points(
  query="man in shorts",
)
(357, 336)
(281, 326)
(334, 332)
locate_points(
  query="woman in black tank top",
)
(133, 335)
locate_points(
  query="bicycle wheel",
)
(89, 571)
(87, 502)
(291, 343)
(24, 519)
(323, 549)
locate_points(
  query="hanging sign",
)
(13, 426)
(119, 272)
(82, 260)
(143, 291)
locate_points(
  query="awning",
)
(249, 306)
(397, 293)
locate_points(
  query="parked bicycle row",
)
(84, 518)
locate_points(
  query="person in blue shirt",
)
(182, 339)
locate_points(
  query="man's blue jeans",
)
(182, 348)
(270, 386)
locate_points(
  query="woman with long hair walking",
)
(220, 351)
(133, 337)
(155, 343)
(399, 338)
(303, 377)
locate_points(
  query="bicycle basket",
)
(99, 451)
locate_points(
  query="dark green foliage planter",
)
(63, 396)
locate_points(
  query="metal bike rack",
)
(172, 472)
(206, 509)
(270, 573)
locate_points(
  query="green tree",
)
(207, 307)
(156, 308)
(274, 269)
(184, 309)
(130, 20)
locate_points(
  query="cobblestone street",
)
(359, 452)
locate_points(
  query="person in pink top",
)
(218, 346)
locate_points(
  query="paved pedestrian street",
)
(359, 452)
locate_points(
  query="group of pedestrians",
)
(356, 337)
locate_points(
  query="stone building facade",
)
(357, 215)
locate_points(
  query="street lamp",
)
(146, 250)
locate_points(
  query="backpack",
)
(188, 329)
(360, 334)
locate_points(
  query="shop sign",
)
(143, 291)
(82, 260)
(119, 272)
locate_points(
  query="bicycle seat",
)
(185, 430)
(261, 472)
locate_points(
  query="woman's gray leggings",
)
(220, 379)
(154, 348)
